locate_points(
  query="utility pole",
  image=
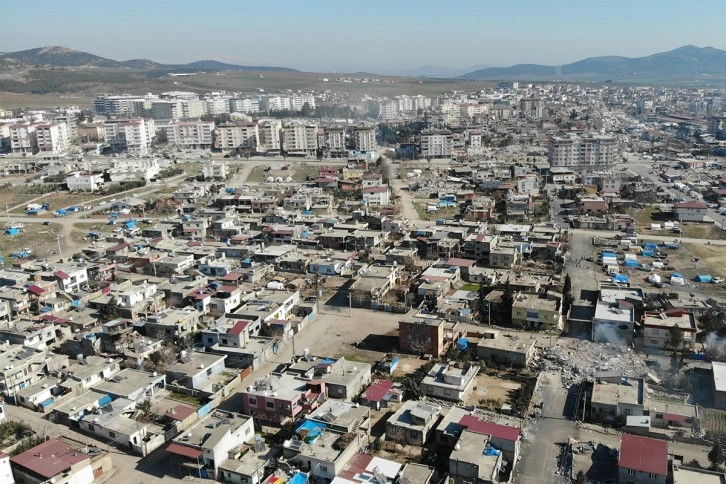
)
(584, 405)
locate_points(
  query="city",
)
(356, 278)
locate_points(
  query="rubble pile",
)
(579, 360)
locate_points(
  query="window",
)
(209, 372)
(252, 401)
(631, 472)
(323, 468)
(112, 434)
(651, 476)
(91, 428)
(270, 404)
(224, 341)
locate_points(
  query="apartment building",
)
(534, 311)
(23, 138)
(132, 135)
(437, 144)
(332, 140)
(365, 138)
(216, 106)
(190, 134)
(51, 137)
(236, 136)
(116, 106)
(300, 138)
(131, 169)
(583, 152)
(246, 105)
(269, 135)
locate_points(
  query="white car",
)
(101, 203)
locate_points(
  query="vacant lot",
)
(714, 421)
(492, 392)
(442, 212)
(298, 173)
(36, 237)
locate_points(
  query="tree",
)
(567, 297)
(109, 312)
(716, 455)
(581, 477)
(161, 137)
(674, 341)
(306, 110)
(505, 305)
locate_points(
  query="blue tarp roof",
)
(676, 274)
(12, 231)
(703, 278)
(621, 278)
(631, 263)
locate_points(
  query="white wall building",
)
(269, 132)
(365, 138)
(22, 138)
(189, 134)
(300, 138)
(236, 136)
(585, 152)
(89, 182)
(51, 137)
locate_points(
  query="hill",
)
(56, 56)
(688, 61)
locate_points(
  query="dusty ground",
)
(407, 365)
(492, 388)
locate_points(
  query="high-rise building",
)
(236, 136)
(583, 152)
(133, 135)
(189, 134)
(51, 137)
(300, 138)
(437, 144)
(116, 106)
(365, 138)
(269, 131)
(246, 105)
(22, 138)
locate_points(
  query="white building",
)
(376, 195)
(300, 138)
(133, 135)
(71, 279)
(365, 138)
(246, 105)
(214, 170)
(437, 144)
(388, 110)
(189, 134)
(216, 106)
(586, 152)
(131, 169)
(85, 182)
(116, 106)
(22, 138)
(236, 136)
(51, 137)
(269, 132)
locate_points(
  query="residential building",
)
(237, 136)
(376, 195)
(642, 460)
(300, 138)
(116, 106)
(195, 370)
(614, 395)
(452, 381)
(133, 169)
(583, 152)
(343, 379)
(322, 454)
(132, 135)
(215, 171)
(537, 311)
(269, 135)
(51, 137)
(279, 398)
(516, 350)
(71, 279)
(719, 384)
(135, 385)
(23, 138)
(426, 334)
(57, 461)
(365, 138)
(693, 211)
(474, 460)
(172, 324)
(244, 105)
(658, 326)
(189, 134)
(413, 422)
(436, 144)
(86, 182)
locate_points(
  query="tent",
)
(12, 231)
(621, 278)
(463, 343)
(677, 274)
(654, 278)
(631, 263)
(651, 246)
(647, 252)
(677, 281)
(704, 278)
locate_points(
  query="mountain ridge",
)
(63, 57)
(688, 60)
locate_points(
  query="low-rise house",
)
(693, 211)
(615, 395)
(426, 334)
(57, 461)
(322, 454)
(413, 422)
(195, 370)
(537, 311)
(85, 182)
(380, 393)
(340, 416)
(452, 381)
(474, 460)
(657, 328)
(642, 460)
(343, 379)
(376, 195)
(71, 279)
(132, 385)
(513, 349)
(21, 366)
(614, 323)
(88, 372)
(209, 443)
(374, 282)
(172, 324)
(279, 398)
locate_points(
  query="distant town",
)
(522, 283)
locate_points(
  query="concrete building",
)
(516, 350)
(269, 135)
(244, 105)
(23, 138)
(300, 138)
(132, 135)
(535, 311)
(376, 195)
(719, 384)
(642, 460)
(132, 169)
(189, 134)
(365, 138)
(426, 334)
(54, 461)
(51, 137)
(613, 396)
(436, 144)
(473, 460)
(583, 152)
(195, 369)
(236, 137)
(657, 328)
(693, 211)
(452, 381)
(85, 182)
(413, 422)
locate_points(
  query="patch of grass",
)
(448, 212)
(714, 421)
(471, 287)
(185, 398)
(257, 175)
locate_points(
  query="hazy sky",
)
(347, 35)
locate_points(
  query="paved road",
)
(546, 435)
(658, 238)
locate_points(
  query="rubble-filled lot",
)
(492, 391)
(579, 360)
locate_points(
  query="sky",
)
(363, 35)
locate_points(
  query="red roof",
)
(377, 390)
(644, 454)
(180, 412)
(503, 432)
(61, 275)
(672, 417)
(184, 451)
(232, 276)
(238, 327)
(50, 458)
(692, 204)
(375, 189)
(36, 290)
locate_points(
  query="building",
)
(51, 137)
(132, 385)
(132, 135)
(691, 211)
(300, 138)
(269, 135)
(71, 279)
(172, 324)
(132, 169)
(426, 334)
(116, 106)
(436, 144)
(583, 152)
(535, 311)
(215, 171)
(22, 138)
(244, 105)
(376, 195)
(615, 395)
(365, 138)
(719, 384)
(452, 381)
(413, 422)
(195, 370)
(189, 134)
(658, 326)
(279, 398)
(642, 460)
(57, 461)
(236, 137)
(85, 182)
(515, 350)
(474, 460)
